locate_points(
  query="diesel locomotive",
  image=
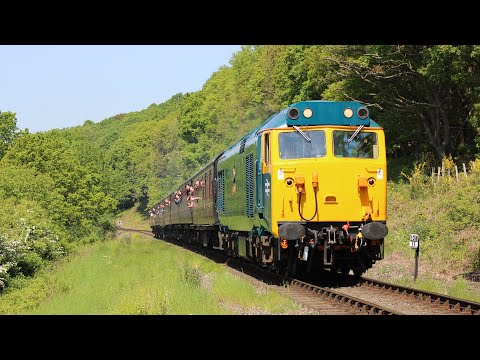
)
(305, 191)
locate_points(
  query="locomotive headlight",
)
(348, 113)
(362, 113)
(308, 113)
(293, 113)
(371, 181)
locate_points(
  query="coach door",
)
(263, 175)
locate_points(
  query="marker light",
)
(348, 113)
(307, 113)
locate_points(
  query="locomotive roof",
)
(323, 112)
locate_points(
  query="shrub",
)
(191, 274)
(28, 239)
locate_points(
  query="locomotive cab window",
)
(362, 145)
(308, 144)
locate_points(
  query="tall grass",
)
(137, 275)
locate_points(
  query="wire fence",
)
(442, 177)
(457, 172)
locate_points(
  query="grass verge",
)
(137, 275)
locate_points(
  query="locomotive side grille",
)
(249, 185)
(221, 192)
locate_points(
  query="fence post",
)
(456, 172)
(438, 177)
(465, 170)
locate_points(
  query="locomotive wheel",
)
(357, 272)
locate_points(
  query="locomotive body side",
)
(236, 186)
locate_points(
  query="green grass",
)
(458, 288)
(134, 219)
(137, 275)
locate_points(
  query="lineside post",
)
(415, 244)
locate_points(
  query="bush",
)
(28, 239)
(30, 263)
(192, 275)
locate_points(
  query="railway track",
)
(349, 295)
(411, 301)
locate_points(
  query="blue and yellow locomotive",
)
(305, 190)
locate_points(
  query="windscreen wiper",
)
(356, 133)
(302, 133)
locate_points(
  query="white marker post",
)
(415, 244)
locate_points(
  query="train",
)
(306, 191)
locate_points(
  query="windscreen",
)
(363, 145)
(296, 145)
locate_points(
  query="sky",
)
(59, 86)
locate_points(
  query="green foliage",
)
(475, 121)
(27, 239)
(76, 197)
(464, 211)
(434, 86)
(192, 124)
(418, 180)
(8, 130)
(191, 274)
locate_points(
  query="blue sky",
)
(60, 86)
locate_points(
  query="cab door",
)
(264, 179)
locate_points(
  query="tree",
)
(8, 130)
(435, 86)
